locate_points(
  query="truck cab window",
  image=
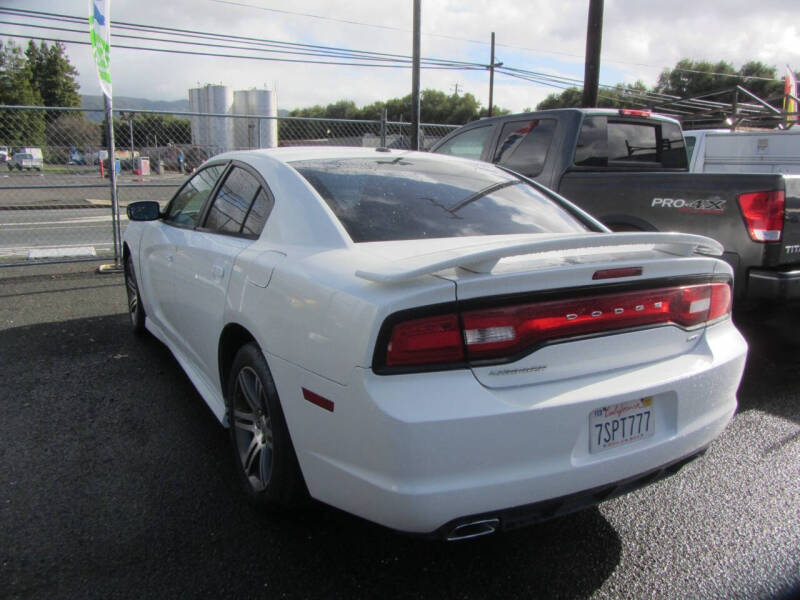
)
(469, 144)
(523, 145)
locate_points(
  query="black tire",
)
(262, 448)
(135, 307)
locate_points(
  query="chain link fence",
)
(55, 195)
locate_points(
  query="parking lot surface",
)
(116, 482)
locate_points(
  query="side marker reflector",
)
(318, 400)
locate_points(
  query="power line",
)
(220, 55)
(471, 41)
(329, 51)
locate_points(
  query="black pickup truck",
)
(629, 169)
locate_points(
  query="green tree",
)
(619, 97)
(435, 107)
(52, 75)
(18, 128)
(147, 128)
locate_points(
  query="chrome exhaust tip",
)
(473, 529)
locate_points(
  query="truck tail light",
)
(763, 214)
(634, 112)
(504, 332)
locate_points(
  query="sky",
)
(640, 39)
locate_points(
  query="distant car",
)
(24, 160)
(432, 343)
(3, 153)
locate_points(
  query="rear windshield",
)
(415, 197)
(645, 145)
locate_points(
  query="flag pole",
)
(112, 174)
(100, 36)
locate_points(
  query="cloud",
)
(639, 40)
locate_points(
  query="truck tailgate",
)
(790, 247)
(700, 203)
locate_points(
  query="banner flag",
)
(100, 34)
(789, 103)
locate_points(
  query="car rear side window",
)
(186, 206)
(415, 197)
(233, 202)
(258, 214)
(469, 144)
(523, 145)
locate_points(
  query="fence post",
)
(383, 127)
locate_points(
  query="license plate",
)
(620, 424)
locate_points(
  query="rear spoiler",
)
(482, 258)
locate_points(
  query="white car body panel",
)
(415, 451)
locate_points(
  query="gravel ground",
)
(116, 481)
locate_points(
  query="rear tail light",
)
(430, 340)
(508, 331)
(763, 214)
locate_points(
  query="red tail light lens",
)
(503, 332)
(763, 213)
(430, 340)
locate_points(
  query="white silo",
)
(265, 104)
(262, 131)
(213, 132)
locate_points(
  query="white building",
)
(219, 132)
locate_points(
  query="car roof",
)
(298, 153)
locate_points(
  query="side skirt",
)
(204, 387)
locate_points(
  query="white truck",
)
(27, 158)
(725, 151)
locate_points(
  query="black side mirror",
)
(146, 210)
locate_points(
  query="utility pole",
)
(455, 87)
(491, 78)
(594, 38)
(415, 77)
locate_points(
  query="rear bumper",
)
(522, 516)
(776, 285)
(420, 453)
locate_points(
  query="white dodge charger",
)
(437, 345)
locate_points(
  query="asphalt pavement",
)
(116, 482)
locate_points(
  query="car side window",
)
(255, 221)
(187, 206)
(469, 144)
(523, 145)
(233, 202)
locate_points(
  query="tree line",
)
(42, 75)
(687, 78)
